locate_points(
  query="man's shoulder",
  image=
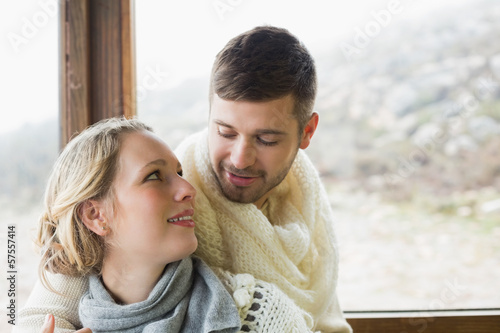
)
(303, 166)
(189, 143)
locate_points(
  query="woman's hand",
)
(49, 325)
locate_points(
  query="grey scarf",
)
(187, 298)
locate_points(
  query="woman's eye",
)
(154, 176)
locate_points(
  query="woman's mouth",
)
(184, 219)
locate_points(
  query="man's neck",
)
(260, 203)
(129, 282)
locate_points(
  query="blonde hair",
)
(84, 170)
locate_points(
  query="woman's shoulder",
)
(62, 302)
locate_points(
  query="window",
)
(28, 130)
(416, 184)
(408, 138)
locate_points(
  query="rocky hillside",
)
(418, 108)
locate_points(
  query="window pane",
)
(28, 132)
(409, 135)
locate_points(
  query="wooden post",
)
(97, 63)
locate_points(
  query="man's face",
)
(252, 146)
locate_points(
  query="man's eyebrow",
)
(258, 131)
(221, 123)
(271, 131)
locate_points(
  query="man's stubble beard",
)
(252, 193)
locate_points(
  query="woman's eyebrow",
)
(158, 162)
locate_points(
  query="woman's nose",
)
(186, 191)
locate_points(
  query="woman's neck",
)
(128, 281)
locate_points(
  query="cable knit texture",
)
(263, 307)
(292, 245)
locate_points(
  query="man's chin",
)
(244, 195)
(239, 195)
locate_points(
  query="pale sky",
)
(187, 34)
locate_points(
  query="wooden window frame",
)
(97, 63)
(442, 321)
(97, 66)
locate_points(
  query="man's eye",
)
(267, 143)
(154, 176)
(225, 135)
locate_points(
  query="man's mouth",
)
(241, 181)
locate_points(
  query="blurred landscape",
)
(408, 147)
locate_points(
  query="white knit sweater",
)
(289, 243)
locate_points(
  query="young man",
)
(260, 208)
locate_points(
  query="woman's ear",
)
(92, 214)
(309, 130)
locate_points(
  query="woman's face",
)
(153, 204)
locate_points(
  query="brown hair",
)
(84, 170)
(263, 64)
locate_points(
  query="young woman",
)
(117, 208)
(118, 227)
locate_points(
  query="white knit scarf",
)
(295, 248)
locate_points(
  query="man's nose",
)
(243, 154)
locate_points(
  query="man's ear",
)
(92, 214)
(309, 130)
